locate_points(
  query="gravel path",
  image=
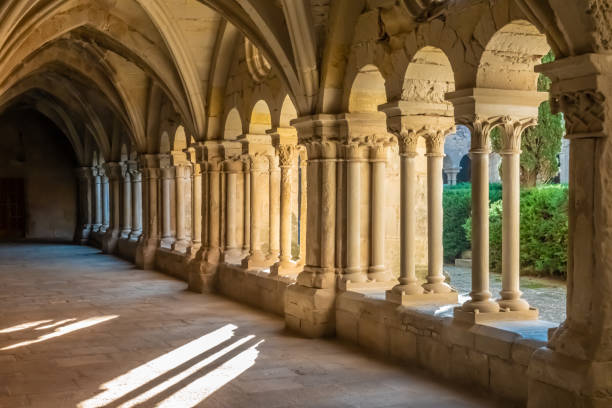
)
(548, 296)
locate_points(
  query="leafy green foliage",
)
(541, 144)
(457, 203)
(544, 228)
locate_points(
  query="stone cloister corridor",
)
(125, 337)
(231, 158)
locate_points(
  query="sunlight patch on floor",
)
(60, 331)
(23, 326)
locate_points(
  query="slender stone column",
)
(408, 282)
(256, 258)
(353, 271)
(182, 175)
(377, 270)
(136, 177)
(511, 201)
(214, 211)
(246, 247)
(435, 155)
(479, 153)
(105, 202)
(196, 216)
(98, 202)
(232, 169)
(84, 175)
(287, 160)
(126, 225)
(145, 254)
(111, 236)
(274, 209)
(167, 174)
(303, 207)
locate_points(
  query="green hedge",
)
(543, 231)
(457, 202)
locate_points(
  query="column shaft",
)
(285, 214)
(230, 216)
(126, 228)
(274, 209)
(353, 270)
(377, 271)
(196, 202)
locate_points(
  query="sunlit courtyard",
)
(82, 329)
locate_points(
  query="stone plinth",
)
(503, 315)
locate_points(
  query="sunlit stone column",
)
(274, 208)
(511, 201)
(98, 204)
(480, 296)
(377, 270)
(111, 236)
(259, 167)
(145, 254)
(84, 176)
(196, 205)
(214, 211)
(435, 155)
(287, 158)
(353, 271)
(182, 176)
(232, 169)
(408, 282)
(105, 201)
(136, 177)
(126, 224)
(167, 176)
(303, 200)
(246, 247)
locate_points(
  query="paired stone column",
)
(302, 202)
(105, 199)
(259, 168)
(246, 247)
(145, 253)
(136, 177)
(84, 176)
(167, 194)
(274, 209)
(111, 236)
(408, 282)
(377, 270)
(231, 253)
(98, 200)
(480, 296)
(511, 223)
(435, 252)
(451, 175)
(126, 223)
(182, 186)
(353, 272)
(287, 156)
(196, 209)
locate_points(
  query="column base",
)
(475, 317)
(310, 311)
(125, 234)
(167, 242)
(135, 235)
(109, 242)
(180, 246)
(379, 274)
(145, 253)
(203, 274)
(315, 277)
(560, 381)
(232, 256)
(405, 299)
(286, 268)
(255, 260)
(347, 285)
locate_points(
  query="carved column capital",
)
(353, 151)
(378, 152)
(434, 139)
(286, 155)
(259, 162)
(408, 140)
(584, 112)
(512, 129)
(233, 165)
(480, 128)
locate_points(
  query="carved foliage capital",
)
(434, 138)
(408, 140)
(584, 112)
(512, 129)
(286, 155)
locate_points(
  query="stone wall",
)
(33, 149)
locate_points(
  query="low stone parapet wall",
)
(494, 356)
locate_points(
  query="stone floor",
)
(82, 329)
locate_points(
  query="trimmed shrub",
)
(544, 228)
(457, 202)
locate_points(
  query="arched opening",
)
(261, 120)
(164, 143)
(368, 90)
(288, 112)
(233, 125)
(465, 165)
(180, 139)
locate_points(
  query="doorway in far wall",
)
(12, 208)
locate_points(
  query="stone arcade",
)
(289, 155)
